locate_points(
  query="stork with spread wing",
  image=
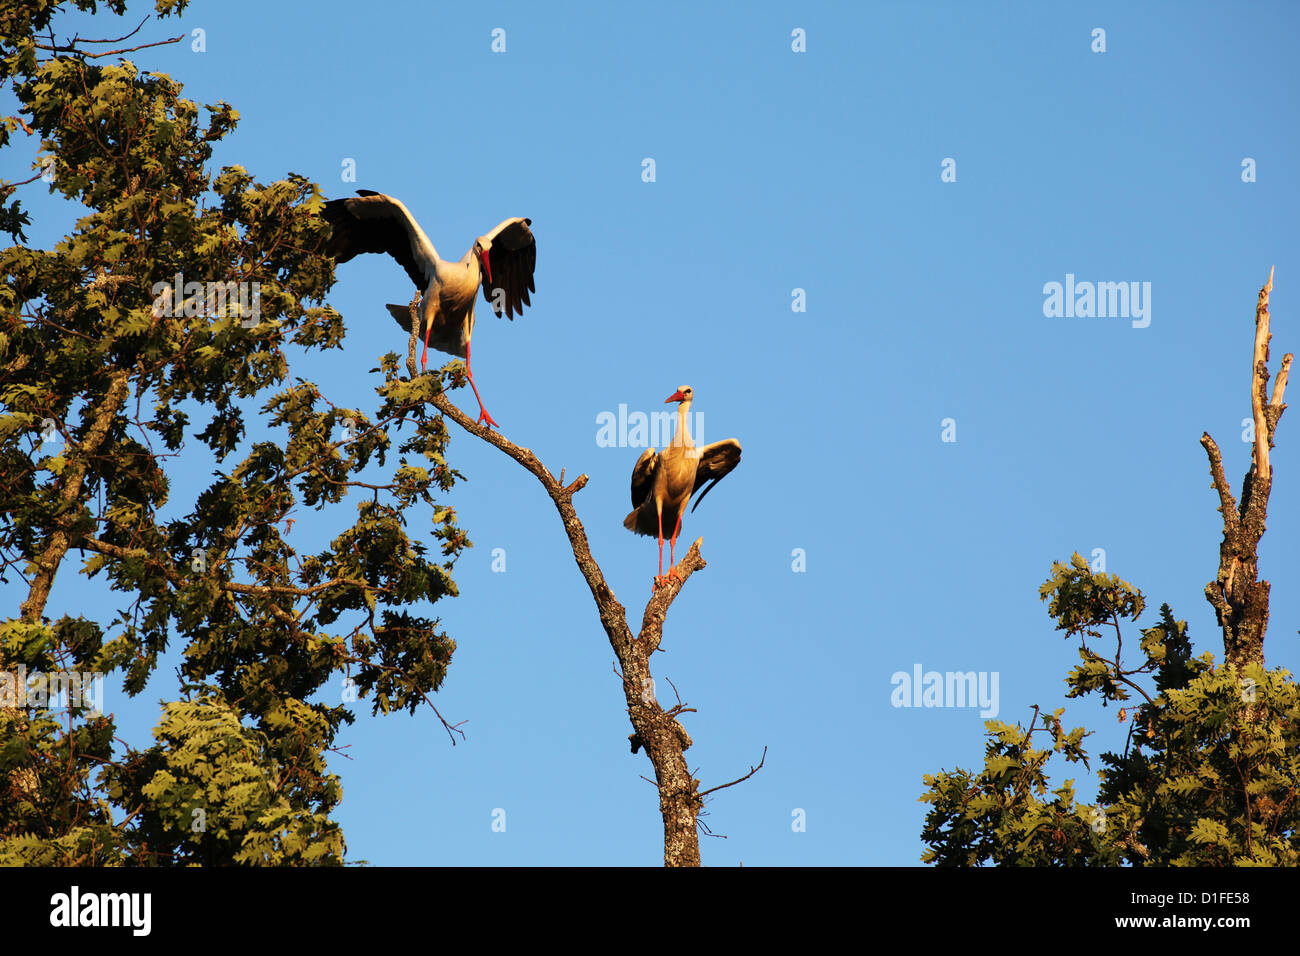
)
(663, 482)
(500, 262)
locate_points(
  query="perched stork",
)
(663, 482)
(506, 256)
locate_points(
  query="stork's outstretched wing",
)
(716, 461)
(511, 253)
(379, 223)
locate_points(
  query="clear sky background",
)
(777, 171)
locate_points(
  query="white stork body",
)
(446, 307)
(663, 482)
(505, 257)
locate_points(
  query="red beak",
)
(676, 396)
(487, 266)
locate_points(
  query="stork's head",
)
(683, 394)
(481, 249)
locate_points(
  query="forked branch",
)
(1240, 601)
(656, 730)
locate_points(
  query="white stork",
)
(506, 256)
(663, 482)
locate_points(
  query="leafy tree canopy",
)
(1208, 775)
(137, 344)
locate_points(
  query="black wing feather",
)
(513, 258)
(716, 462)
(352, 235)
(643, 476)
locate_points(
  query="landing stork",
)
(504, 257)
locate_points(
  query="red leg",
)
(424, 357)
(672, 549)
(483, 415)
(659, 578)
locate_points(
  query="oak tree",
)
(144, 340)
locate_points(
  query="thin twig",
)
(95, 56)
(752, 771)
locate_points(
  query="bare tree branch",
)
(1239, 599)
(124, 36)
(71, 45)
(752, 771)
(1259, 377)
(1227, 501)
(658, 731)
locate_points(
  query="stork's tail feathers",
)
(645, 520)
(444, 340)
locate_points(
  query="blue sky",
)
(777, 171)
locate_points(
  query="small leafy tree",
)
(118, 360)
(1209, 772)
